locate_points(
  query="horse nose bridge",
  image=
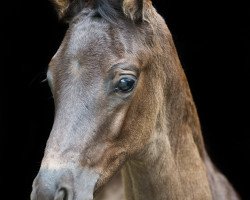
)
(71, 135)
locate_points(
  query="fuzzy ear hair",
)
(134, 9)
(69, 8)
(61, 6)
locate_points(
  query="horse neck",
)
(172, 165)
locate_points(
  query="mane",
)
(109, 12)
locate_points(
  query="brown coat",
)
(152, 131)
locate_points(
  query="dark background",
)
(213, 41)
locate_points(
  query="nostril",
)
(63, 194)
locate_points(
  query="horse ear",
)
(61, 6)
(67, 9)
(134, 9)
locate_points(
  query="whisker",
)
(38, 76)
(44, 80)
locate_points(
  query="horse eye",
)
(125, 85)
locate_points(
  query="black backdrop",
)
(213, 41)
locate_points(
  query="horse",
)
(123, 105)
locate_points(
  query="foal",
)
(122, 101)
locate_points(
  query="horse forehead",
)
(89, 35)
(87, 43)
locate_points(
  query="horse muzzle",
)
(64, 184)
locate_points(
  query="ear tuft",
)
(61, 6)
(133, 9)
